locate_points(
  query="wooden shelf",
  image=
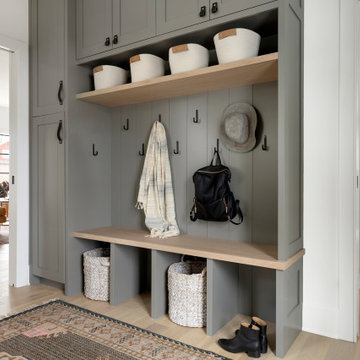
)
(254, 70)
(217, 249)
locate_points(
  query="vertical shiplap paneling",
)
(217, 102)
(143, 121)
(178, 126)
(242, 174)
(265, 185)
(128, 161)
(197, 154)
(116, 201)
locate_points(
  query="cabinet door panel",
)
(47, 55)
(133, 20)
(226, 7)
(93, 26)
(172, 14)
(48, 241)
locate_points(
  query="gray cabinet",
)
(47, 56)
(48, 193)
(132, 21)
(108, 24)
(225, 7)
(93, 27)
(172, 15)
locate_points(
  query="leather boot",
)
(261, 324)
(245, 340)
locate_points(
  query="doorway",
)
(4, 168)
(18, 169)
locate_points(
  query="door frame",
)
(19, 161)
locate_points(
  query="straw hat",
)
(238, 127)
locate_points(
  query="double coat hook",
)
(177, 150)
(94, 152)
(196, 118)
(126, 127)
(264, 146)
(142, 151)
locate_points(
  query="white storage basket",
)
(188, 57)
(106, 76)
(236, 44)
(146, 66)
(187, 293)
(97, 274)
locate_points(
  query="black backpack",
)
(213, 199)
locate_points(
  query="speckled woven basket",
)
(187, 293)
(97, 274)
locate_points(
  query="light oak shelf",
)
(260, 69)
(225, 250)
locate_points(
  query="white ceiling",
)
(4, 78)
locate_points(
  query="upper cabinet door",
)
(47, 56)
(133, 21)
(225, 7)
(173, 14)
(93, 27)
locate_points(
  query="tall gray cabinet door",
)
(172, 14)
(225, 7)
(133, 21)
(47, 56)
(290, 128)
(47, 201)
(93, 27)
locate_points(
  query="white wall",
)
(14, 19)
(4, 120)
(329, 176)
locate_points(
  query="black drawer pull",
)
(214, 8)
(202, 12)
(61, 84)
(58, 134)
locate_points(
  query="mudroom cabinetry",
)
(108, 24)
(47, 77)
(172, 15)
(47, 55)
(48, 197)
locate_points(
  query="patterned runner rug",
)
(62, 331)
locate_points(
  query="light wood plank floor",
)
(136, 311)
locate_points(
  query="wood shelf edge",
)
(265, 261)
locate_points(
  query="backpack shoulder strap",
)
(239, 213)
(193, 215)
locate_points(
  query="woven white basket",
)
(97, 274)
(187, 293)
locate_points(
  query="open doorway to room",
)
(4, 168)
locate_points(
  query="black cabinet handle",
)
(58, 134)
(202, 12)
(214, 8)
(115, 39)
(107, 41)
(61, 84)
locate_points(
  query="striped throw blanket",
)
(156, 195)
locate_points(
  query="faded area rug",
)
(58, 330)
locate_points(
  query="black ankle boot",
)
(261, 324)
(245, 340)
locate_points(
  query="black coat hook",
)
(264, 146)
(177, 151)
(142, 151)
(126, 127)
(217, 148)
(159, 120)
(196, 118)
(94, 152)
